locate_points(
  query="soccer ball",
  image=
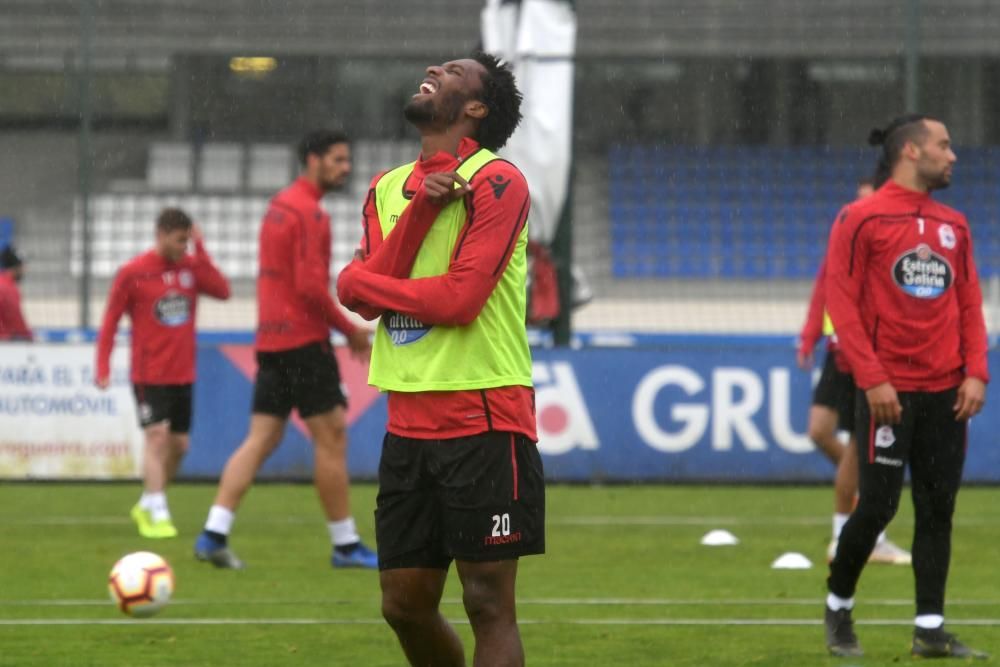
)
(141, 584)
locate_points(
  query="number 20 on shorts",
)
(501, 525)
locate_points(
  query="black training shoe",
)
(840, 638)
(936, 643)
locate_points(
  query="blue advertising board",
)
(693, 409)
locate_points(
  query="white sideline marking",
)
(65, 521)
(684, 521)
(715, 521)
(596, 521)
(653, 520)
(786, 622)
(556, 602)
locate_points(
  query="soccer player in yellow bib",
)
(443, 263)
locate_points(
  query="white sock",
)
(343, 532)
(836, 603)
(881, 538)
(838, 524)
(929, 621)
(220, 519)
(155, 504)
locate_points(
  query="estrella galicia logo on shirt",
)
(922, 273)
(403, 329)
(173, 310)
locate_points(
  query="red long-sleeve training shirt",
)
(903, 292)
(161, 299)
(497, 211)
(294, 306)
(12, 323)
(812, 330)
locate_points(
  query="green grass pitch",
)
(625, 581)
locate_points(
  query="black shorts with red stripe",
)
(477, 498)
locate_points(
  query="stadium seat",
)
(270, 167)
(751, 212)
(169, 167)
(220, 168)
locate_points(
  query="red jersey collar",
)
(308, 187)
(897, 191)
(157, 259)
(163, 261)
(442, 161)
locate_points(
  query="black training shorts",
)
(478, 498)
(164, 402)
(835, 390)
(306, 378)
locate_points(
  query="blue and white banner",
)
(56, 424)
(715, 409)
(694, 409)
(709, 411)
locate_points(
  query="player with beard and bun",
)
(159, 291)
(904, 296)
(296, 366)
(443, 262)
(832, 410)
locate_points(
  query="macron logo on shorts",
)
(886, 461)
(496, 540)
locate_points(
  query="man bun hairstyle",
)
(171, 219)
(892, 139)
(501, 96)
(318, 142)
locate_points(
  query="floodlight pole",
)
(84, 153)
(911, 52)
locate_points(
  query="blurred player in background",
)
(159, 291)
(296, 366)
(832, 411)
(444, 264)
(13, 326)
(903, 292)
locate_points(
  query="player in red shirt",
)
(159, 291)
(12, 323)
(903, 293)
(451, 458)
(832, 411)
(296, 367)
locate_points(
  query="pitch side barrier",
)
(615, 408)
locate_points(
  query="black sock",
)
(346, 549)
(218, 537)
